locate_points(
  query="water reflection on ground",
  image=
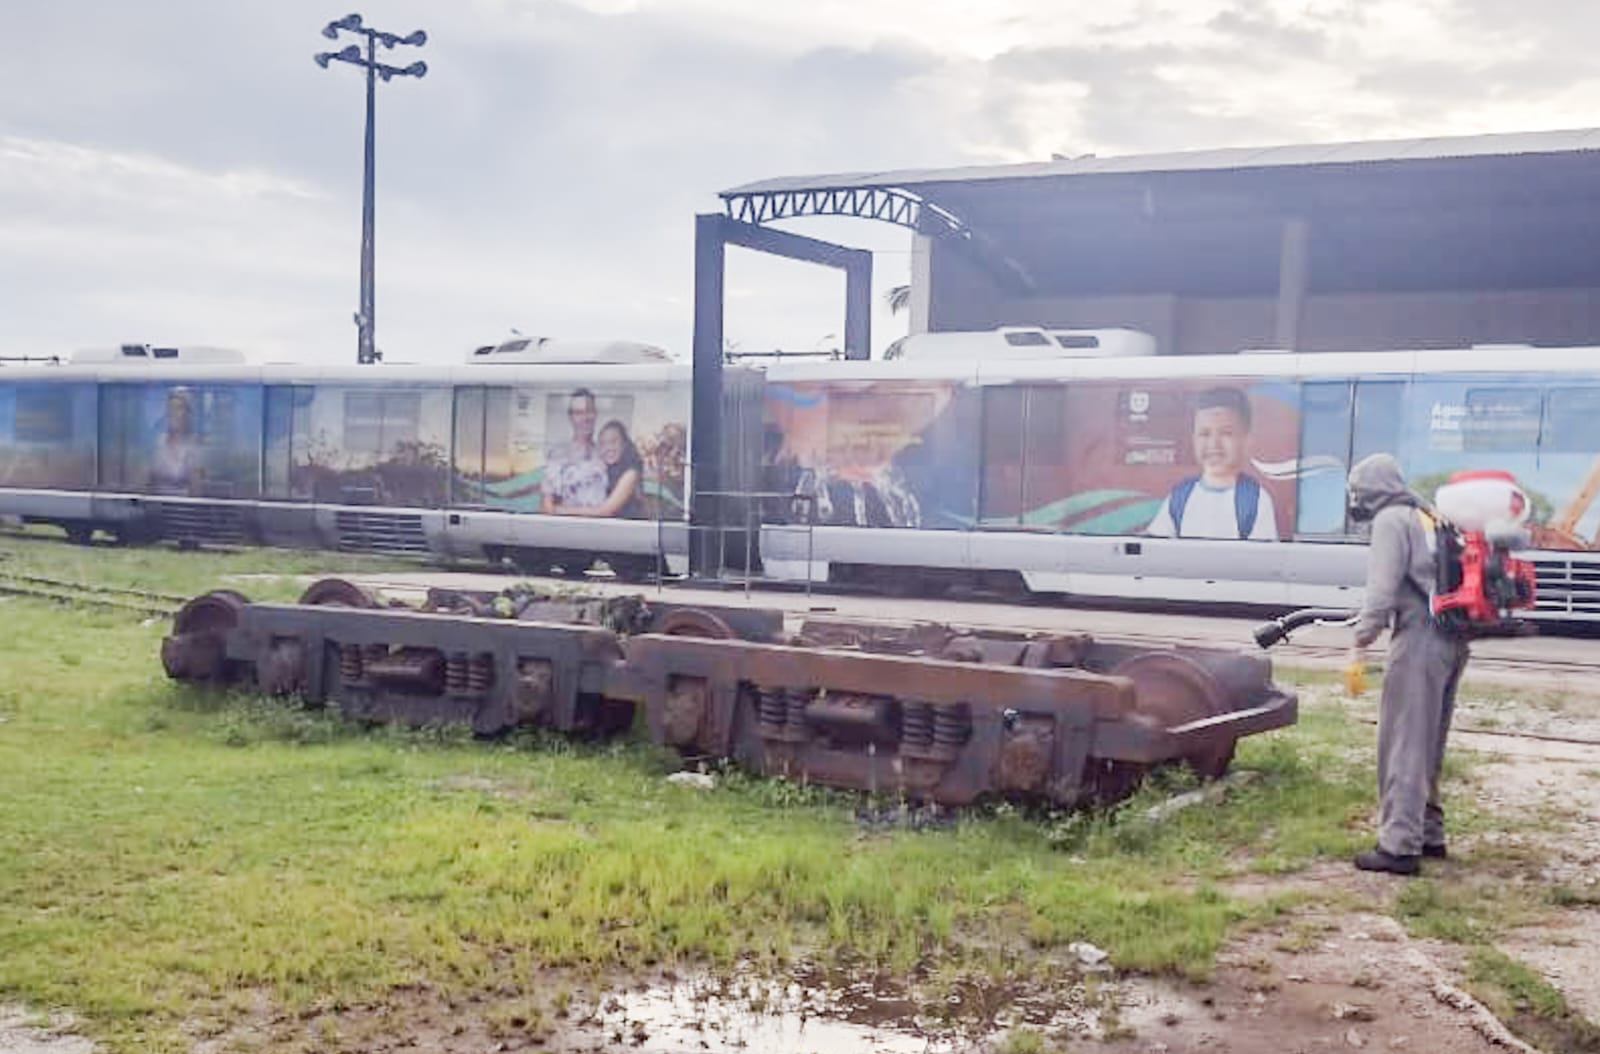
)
(807, 1016)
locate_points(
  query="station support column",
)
(713, 233)
(705, 448)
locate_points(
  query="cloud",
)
(183, 171)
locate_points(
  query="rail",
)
(89, 594)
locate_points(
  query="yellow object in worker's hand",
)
(1355, 677)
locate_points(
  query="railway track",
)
(89, 594)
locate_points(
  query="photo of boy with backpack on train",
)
(1223, 501)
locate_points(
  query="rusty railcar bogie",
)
(931, 712)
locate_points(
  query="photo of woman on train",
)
(624, 477)
(175, 459)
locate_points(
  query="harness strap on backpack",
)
(1246, 503)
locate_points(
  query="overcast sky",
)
(179, 171)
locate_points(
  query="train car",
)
(1215, 479)
(1046, 461)
(547, 465)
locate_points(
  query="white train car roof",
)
(1501, 359)
(576, 375)
(1498, 359)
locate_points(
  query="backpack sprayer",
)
(1479, 518)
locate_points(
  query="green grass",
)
(167, 855)
(167, 569)
(1529, 1004)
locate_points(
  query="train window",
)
(44, 414)
(1501, 419)
(189, 439)
(1572, 422)
(378, 421)
(46, 435)
(1379, 417)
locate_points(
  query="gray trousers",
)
(1419, 698)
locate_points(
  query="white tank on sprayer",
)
(1485, 501)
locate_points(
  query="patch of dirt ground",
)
(1563, 848)
(1331, 979)
(25, 1033)
(1320, 981)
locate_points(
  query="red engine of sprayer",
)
(1478, 580)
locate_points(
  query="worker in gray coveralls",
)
(1424, 668)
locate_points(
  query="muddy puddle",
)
(801, 1017)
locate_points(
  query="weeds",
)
(1528, 1003)
(161, 848)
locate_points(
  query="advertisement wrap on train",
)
(1217, 457)
(1192, 478)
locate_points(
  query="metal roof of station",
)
(1510, 210)
(1445, 148)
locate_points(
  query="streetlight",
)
(366, 351)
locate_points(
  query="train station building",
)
(1412, 244)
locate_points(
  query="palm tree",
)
(898, 298)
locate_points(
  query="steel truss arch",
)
(888, 204)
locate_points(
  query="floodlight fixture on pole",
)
(366, 318)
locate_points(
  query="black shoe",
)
(1378, 860)
(1436, 852)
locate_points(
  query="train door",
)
(1341, 422)
(1325, 414)
(466, 449)
(1000, 481)
(1024, 472)
(479, 456)
(286, 516)
(1025, 456)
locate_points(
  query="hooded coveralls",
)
(1424, 665)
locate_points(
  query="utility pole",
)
(366, 317)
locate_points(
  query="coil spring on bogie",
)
(952, 724)
(796, 700)
(480, 673)
(916, 724)
(455, 673)
(771, 710)
(349, 663)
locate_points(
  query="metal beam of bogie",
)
(926, 712)
(417, 669)
(947, 731)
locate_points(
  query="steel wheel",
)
(1171, 690)
(337, 592)
(198, 647)
(694, 622)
